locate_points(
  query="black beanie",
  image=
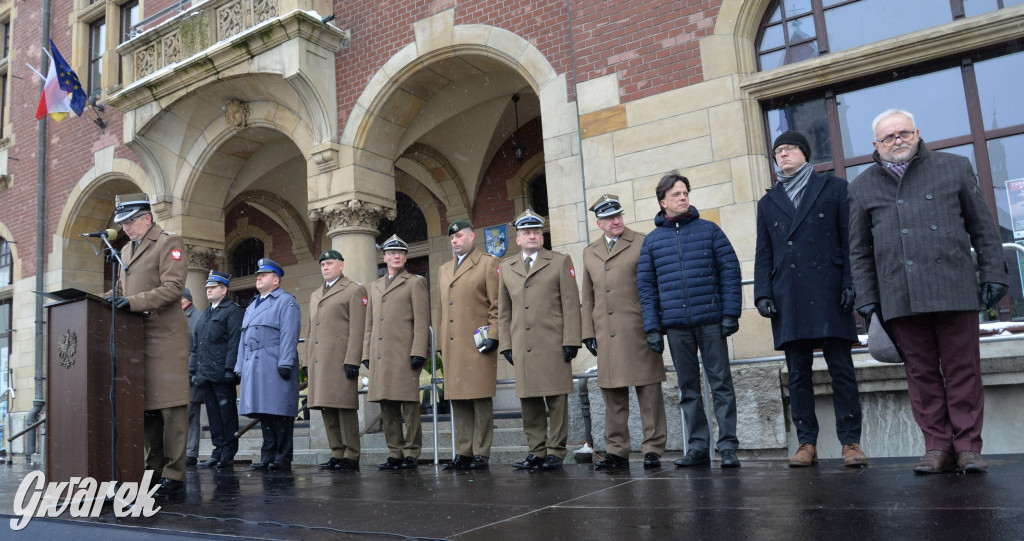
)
(793, 138)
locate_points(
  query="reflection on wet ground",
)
(762, 500)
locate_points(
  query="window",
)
(97, 46)
(129, 18)
(245, 257)
(5, 27)
(3, 103)
(6, 263)
(410, 225)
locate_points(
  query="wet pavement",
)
(763, 500)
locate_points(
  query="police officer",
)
(212, 366)
(268, 364)
(395, 344)
(334, 347)
(613, 327)
(468, 294)
(539, 333)
(153, 283)
(195, 402)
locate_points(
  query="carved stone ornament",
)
(230, 20)
(236, 113)
(352, 214)
(201, 257)
(67, 346)
(145, 61)
(172, 48)
(264, 10)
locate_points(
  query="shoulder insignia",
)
(176, 254)
(365, 301)
(169, 233)
(572, 272)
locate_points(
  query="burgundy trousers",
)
(943, 364)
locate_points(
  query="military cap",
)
(394, 243)
(459, 225)
(528, 220)
(331, 254)
(126, 206)
(607, 206)
(218, 279)
(269, 265)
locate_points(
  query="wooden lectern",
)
(78, 392)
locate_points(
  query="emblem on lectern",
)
(66, 347)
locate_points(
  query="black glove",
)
(655, 342)
(570, 352)
(230, 377)
(417, 362)
(351, 372)
(120, 303)
(198, 381)
(366, 363)
(846, 298)
(868, 310)
(489, 345)
(991, 294)
(591, 344)
(508, 356)
(766, 307)
(730, 325)
(285, 372)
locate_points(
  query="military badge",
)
(176, 254)
(364, 301)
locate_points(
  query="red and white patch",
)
(497, 270)
(176, 254)
(572, 272)
(364, 301)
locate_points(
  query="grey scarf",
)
(794, 184)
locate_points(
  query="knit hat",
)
(186, 295)
(793, 138)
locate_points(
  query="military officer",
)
(613, 330)
(468, 294)
(539, 334)
(154, 282)
(334, 347)
(395, 344)
(268, 363)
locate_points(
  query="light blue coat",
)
(270, 335)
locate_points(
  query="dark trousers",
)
(222, 412)
(943, 364)
(164, 436)
(845, 398)
(194, 428)
(277, 438)
(684, 342)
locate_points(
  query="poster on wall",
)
(1015, 194)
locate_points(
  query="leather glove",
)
(991, 294)
(508, 356)
(120, 303)
(868, 310)
(366, 363)
(198, 381)
(655, 342)
(351, 372)
(231, 377)
(285, 372)
(570, 352)
(766, 307)
(846, 298)
(730, 325)
(591, 344)
(489, 345)
(417, 362)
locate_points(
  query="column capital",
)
(353, 215)
(201, 258)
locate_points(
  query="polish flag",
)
(54, 101)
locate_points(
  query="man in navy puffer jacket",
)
(689, 283)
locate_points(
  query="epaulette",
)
(168, 233)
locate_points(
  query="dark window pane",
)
(854, 170)
(773, 60)
(936, 100)
(796, 7)
(864, 22)
(999, 81)
(129, 18)
(1006, 156)
(245, 256)
(539, 195)
(803, 51)
(97, 46)
(6, 264)
(772, 38)
(807, 118)
(410, 225)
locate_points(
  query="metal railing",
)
(174, 8)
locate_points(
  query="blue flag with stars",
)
(68, 81)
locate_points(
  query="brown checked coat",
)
(611, 313)
(397, 327)
(337, 322)
(468, 300)
(157, 267)
(537, 315)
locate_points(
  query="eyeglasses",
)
(904, 136)
(131, 220)
(788, 149)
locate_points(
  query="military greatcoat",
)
(397, 328)
(468, 300)
(336, 327)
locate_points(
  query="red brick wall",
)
(282, 241)
(492, 205)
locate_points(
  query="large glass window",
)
(97, 46)
(245, 256)
(6, 263)
(410, 225)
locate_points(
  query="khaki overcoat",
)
(397, 327)
(612, 314)
(336, 328)
(538, 314)
(157, 267)
(468, 300)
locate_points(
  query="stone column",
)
(200, 260)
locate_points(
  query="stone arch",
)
(282, 213)
(735, 30)
(421, 194)
(438, 176)
(519, 192)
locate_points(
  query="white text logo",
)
(84, 498)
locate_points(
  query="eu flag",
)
(68, 81)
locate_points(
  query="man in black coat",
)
(212, 367)
(802, 282)
(195, 402)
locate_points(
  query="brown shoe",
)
(853, 456)
(936, 461)
(806, 455)
(971, 462)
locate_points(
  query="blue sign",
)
(496, 240)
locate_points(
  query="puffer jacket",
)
(688, 274)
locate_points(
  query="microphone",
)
(109, 234)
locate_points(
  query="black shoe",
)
(531, 461)
(347, 464)
(390, 464)
(191, 461)
(330, 464)
(460, 462)
(479, 463)
(552, 462)
(228, 463)
(729, 459)
(278, 466)
(209, 463)
(168, 488)
(652, 460)
(408, 463)
(693, 458)
(612, 462)
(261, 465)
